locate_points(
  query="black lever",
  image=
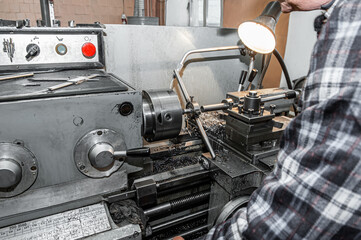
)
(135, 152)
(139, 152)
(242, 79)
(253, 75)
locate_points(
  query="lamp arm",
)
(284, 68)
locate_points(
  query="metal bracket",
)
(146, 192)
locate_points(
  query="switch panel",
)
(62, 49)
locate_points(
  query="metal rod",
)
(205, 138)
(9, 77)
(182, 87)
(195, 230)
(247, 82)
(45, 12)
(214, 107)
(203, 50)
(121, 196)
(272, 98)
(205, 10)
(177, 204)
(180, 220)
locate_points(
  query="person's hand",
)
(301, 5)
(178, 238)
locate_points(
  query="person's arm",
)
(314, 191)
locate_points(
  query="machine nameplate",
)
(73, 224)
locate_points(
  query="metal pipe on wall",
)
(47, 14)
(139, 8)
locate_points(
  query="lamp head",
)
(259, 34)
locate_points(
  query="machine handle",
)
(135, 152)
(243, 77)
(252, 75)
(139, 152)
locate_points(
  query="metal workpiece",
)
(18, 169)
(162, 115)
(93, 153)
(214, 107)
(227, 103)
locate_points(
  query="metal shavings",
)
(127, 211)
(214, 124)
(171, 163)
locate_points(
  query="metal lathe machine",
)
(84, 154)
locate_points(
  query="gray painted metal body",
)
(50, 128)
(147, 55)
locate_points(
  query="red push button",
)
(88, 50)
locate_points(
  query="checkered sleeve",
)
(314, 191)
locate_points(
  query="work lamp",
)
(259, 34)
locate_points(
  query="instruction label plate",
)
(73, 224)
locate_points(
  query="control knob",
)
(32, 51)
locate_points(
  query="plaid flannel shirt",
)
(314, 191)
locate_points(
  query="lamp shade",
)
(259, 34)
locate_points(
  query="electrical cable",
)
(285, 72)
(284, 68)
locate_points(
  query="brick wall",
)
(82, 11)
